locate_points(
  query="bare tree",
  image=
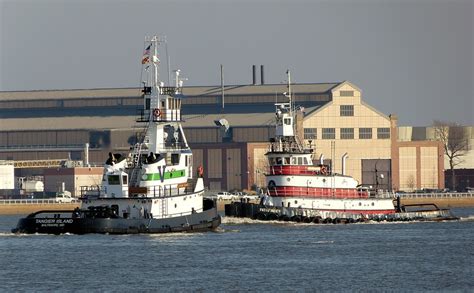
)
(410, 183)
(455, 142)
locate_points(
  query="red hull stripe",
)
(311, 192)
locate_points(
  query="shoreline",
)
(19, 209)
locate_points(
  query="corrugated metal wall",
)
(214, 163)
(202, 135)
(253, 134)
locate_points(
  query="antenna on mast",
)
(289, 94)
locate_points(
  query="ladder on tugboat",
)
(134, 180)
(164, 208)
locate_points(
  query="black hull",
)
(197, 222)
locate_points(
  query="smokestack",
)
(254, 74)
(86, 154)
(262, 80)
(344, 157)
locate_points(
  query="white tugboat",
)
(152, 190)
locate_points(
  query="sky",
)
(413, 58)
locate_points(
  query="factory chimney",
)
(262, 80)
(254, 74)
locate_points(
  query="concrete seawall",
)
(19, 209)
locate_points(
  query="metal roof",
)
(266, 89)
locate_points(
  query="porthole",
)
(296, 202)
(373, 204)
(288, 179)
(175, 205)
(324, 180)
(360, 203)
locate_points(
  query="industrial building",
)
(228, 133)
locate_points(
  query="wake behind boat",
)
(152, 190)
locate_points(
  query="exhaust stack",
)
(86, 154)
(344, 157)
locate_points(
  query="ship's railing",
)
(167, 190)
(317, 192)
(293, 170)
(34, 201)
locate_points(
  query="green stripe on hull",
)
(168, 175)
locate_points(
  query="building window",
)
(347, 133)
(329, 133)
(310, 133)
(365, 133)
(346, 93)
(383, 133)
(347, 110)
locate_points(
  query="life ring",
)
(323, 170)
(156, 112)
(200, 171)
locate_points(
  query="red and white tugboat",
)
(294, 180)
(298, 189)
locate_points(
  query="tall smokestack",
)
(343, 167)
(254, 74)
(262, 80)
(86, 154)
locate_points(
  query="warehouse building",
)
(228, 135)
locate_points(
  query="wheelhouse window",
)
(365, 133)
(329, 133)
(114, 179)
(287, 121)
(310, 133)
(124, 179)
(347, 133)
(347, 110)
(383, 133)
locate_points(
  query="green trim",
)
(168, 175)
